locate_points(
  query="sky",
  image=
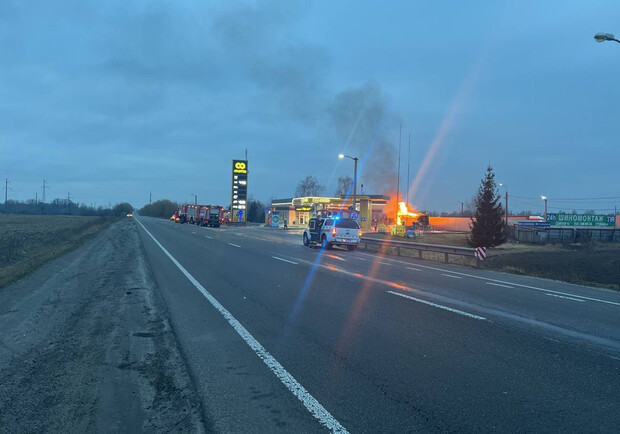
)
(111, 101)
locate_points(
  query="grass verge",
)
(27, 242)
(591, 264)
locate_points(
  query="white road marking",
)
(566, 298)
(440, 306)
(361, 259)
(207, 236)
(414, 269)
(234, 245)
(451, 276)
(385, 263)
(313, 406)
(194, 233)
(284, 260)
(499, 284)
(505, 282)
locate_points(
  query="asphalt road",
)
(269, 336)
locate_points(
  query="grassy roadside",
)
(591, 264)
(27, 242)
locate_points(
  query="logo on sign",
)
(240, 167)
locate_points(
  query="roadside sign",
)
(596, 220)
(481, 253)
(354, 216)
(239, 190)
(534, 224)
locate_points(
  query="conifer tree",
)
(487, 225)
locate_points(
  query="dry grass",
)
(592, 264)
(27, 242)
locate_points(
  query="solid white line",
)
(234, 245)
(284, 260)
(361, 259)
(385, 263)
(451, 275)
(440, 306)
(414, 269)
(207, 236)
(499, 284)
(505, 282)
(313, 406)
(566, 298)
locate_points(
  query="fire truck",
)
(188, 213)
(211, 215)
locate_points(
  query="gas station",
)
(298, 210)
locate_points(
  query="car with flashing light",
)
(329, 232)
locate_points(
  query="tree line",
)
(64, 207)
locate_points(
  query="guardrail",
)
(399, 246)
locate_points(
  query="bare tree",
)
(309, 186)
(345, 184)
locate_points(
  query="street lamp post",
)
(545, 199)
(341, 156)
(602, 37)
(506, 188)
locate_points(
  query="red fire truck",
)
(211, 215)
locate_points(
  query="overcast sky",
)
(110, 100)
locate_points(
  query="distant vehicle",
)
(130, 215)
(329, 232)
(410, 231)
(212, 215)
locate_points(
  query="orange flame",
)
(403, 214)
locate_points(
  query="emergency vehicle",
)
(211, 215)
(329, 232)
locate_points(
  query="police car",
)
(329, 232)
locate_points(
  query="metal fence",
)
(433, 252)
(561, 235)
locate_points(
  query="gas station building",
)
(298, 210)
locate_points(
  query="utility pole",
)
(150, 198)
(195, 198)
(507, 208)
(6, 192)
(462, 208)
(408, 164)
(45, 187)
(36, 197)
(68, 198)
(400, 136)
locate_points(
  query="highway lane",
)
(375, 360)
(561, 310)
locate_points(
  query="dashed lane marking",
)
(439, 306)
(499, 284)
(451, 276)
(234, 245)
(284, 260)
(566, 298)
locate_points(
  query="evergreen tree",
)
(487, 225)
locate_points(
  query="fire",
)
(404, 214)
